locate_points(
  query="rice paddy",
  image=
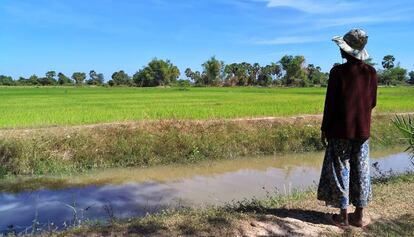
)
(27, 107)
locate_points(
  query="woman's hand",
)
(323, 139)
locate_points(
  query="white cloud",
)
(312, 6)
(361, 20)
(337, 13)
(55, 13)
(349, 21)
(291, 40)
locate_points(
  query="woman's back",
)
(350, 98)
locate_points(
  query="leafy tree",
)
(194, 76)
(63, 79)
(79, 77)
(51, 75)
(213, 72)
(22, 81)
(246, 74)
(189, 73)
(411, 75)
(231, 74)
(100, 79)
(237, 74)
(294, 71)
(95, 78)
(264, 78)
(230, 70)
(6, 80)
(157, 73)
(33, 80)
(111, 83)
(398, 74)
(120, 78)
(316, 76)
(275, 70)
(253, 71)
(388, 62)
(311, 71)
(46, 81)
(268, 74)
(384, 77)
(393, 76)
(49, 79)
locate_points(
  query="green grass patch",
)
(38, 107)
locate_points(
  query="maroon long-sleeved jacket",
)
(350, 98)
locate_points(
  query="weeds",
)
(406, 126)
(109, 212)
(62, 151)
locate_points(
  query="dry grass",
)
(66, 150)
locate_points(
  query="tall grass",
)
(38, 107)
(66, 150)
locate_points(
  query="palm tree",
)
(388, 62)
(253, 72)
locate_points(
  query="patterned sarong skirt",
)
(345, 177)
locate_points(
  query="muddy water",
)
(58, 202)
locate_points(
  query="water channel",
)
(58, 202)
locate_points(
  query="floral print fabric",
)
(345, 177)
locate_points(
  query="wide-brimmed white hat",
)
(353, 43)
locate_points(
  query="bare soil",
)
(311, 218)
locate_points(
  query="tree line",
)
(392, 73)
(288, 71)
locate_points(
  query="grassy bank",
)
(390, 214)
(42, 107)
(175, 172)
(77, 149)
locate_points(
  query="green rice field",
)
(23, 107)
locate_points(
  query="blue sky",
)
(110, 35)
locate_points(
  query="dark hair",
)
(348, 57)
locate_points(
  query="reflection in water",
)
(135, 192)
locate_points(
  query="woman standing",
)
(350, 98)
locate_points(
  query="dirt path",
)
(144, 123)
(308, 217)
